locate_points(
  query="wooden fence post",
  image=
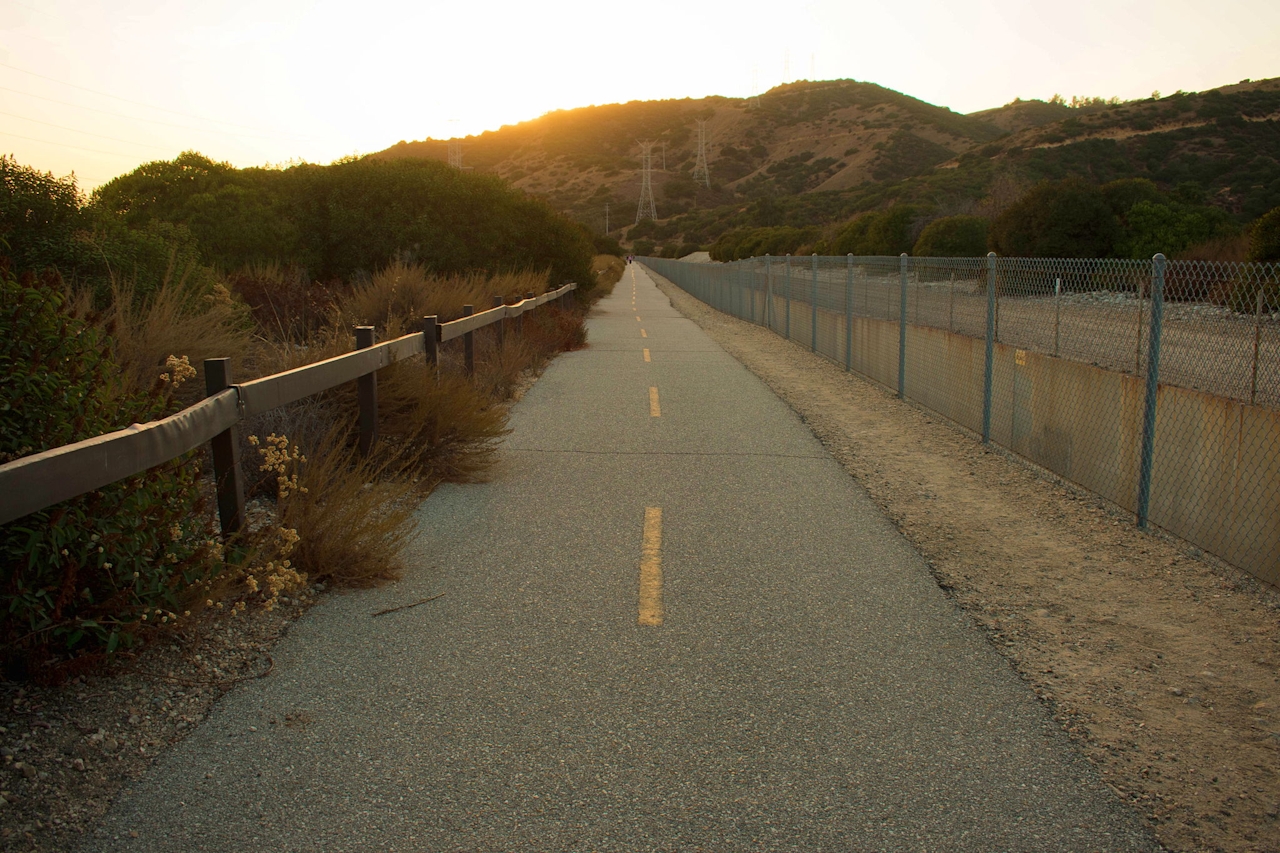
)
(367, 392)
(469, 342)
(498, 327)
(431, 339)
(226, 454)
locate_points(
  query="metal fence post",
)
(902, 326)
(1153, 389)
(788, 324)
(469, 343)
(768, 292)
(991, 331)
(813, 321)
(367, 393)
(848, 314)
(226, 454)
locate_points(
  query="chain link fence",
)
(1155, 384)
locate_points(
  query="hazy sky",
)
(100, 87)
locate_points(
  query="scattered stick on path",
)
(407, 606)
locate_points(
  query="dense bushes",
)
(1057, 219)
(1264, 240)
(45, 224)
(86, 572)
(351, 217)
(953, 237)
(97, 344)
(1130, 218)
(883, 232)
(755, 242)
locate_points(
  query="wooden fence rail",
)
(43, 479)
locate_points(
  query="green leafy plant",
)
(91, 572)
(953, 237)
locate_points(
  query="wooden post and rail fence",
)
(43, 479)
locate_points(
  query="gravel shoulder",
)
(1163, 667)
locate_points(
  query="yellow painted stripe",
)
(646, 354)
(651, 568)
(654, 409)
(637, 318)
(642, 334)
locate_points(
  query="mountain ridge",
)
(819, 152)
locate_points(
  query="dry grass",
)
(609, 270)
(285, 303)
(397, 298)
(353, 519)
(436, 427)
(351, 515)
(172, 321)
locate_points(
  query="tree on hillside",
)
(1057, 219)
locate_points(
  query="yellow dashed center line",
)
(637, 318)
(651, 568)
(646, 354)
(654, 409)
(642, 334)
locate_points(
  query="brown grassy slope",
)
(583, 157)
(854, 138)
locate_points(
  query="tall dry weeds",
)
(171, 321)
(352, 516)
(609, 270)
(397, 298)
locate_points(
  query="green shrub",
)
(1058, 219)
(1170, 228)
(90, 572)
(1264, 239)
(642, 247)
(605, 244)
(39, 215)
(884, 232)
(758, 242)
(953, 237)
(352, 217)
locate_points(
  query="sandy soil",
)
(1164, 668)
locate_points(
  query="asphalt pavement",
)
(671, 622)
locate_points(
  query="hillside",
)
(814, 153)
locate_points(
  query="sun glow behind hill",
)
(267, 82)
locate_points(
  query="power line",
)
(128, 101)
(85, 132)
(139, 118)
(65, 145)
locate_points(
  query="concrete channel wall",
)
(1216, 470)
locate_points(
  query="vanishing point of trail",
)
(672, 622)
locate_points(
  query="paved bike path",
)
(671, 622)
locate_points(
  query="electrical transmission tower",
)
(700, 171)
(647, 209)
